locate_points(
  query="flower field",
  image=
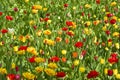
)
(59, 39)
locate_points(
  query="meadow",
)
(59, 39)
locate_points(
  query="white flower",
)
(11, 30)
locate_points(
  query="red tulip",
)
(54, 59)
(107, 32)
(92, 74)
(31, 60)
(83, 52)
(35, 27)
(79, 44)
(112, 21)
(60, 74)
(69, 23)
(83, 13)
(4, 31)
(64, 29)
(109, 15)
(22, 48)
(15, 9)
(97, 1)
(110, 72)
(1, 13)
(65, 5)
(69, 33)
(11, 76)
(46, 19)
(113, 58)
(114, 55)
(10, 18)
(17, 68)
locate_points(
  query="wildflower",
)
(52, 65)
(117, 76)
(47, 32)
(3, 71)
(45, 9)
(15, 48)
(38, 33)
(49, 21)
(32, 50)
(11, 30)
(54, 59)
(39, 59)
(4, 31)
(31, 60)
(66, 40)
(22, 48)
(113, 58)
(74, 54)
(110, 72)
(34, 11)
(60, 74)
(87, 31)
(17, 76)
(15, 9)
(41, 51)
(112, 21)
(106, 48)
(82, 69)
(78, 44)
(16, 68)
(32, 22)
(28, 75)
(1, 13)
(13, 65)
(83, 53)
(49, 42)
(22, 38)
(87, 6)
(104, 28)
(38, 69)
(106, 71)
(9, 18)
(107, 32)
(64, 52)
(115, 71)
(70, 33)
(50, 72)
(66, 5)
(96, 22)
(115, 26)
(102, 61)
(21, 52)
(74, 8)
(11, 77)
(69, 23)
(76, 62)
(114, 17)
(117, 45)
(113, 3)
(116, 34)
(46, 19)
(109, 15)
(92, 74)
(58, 39)
(63, 59)
(87, 23)
(26, 1)
(97, 1)
(37, 7)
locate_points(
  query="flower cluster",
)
(59, 39)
